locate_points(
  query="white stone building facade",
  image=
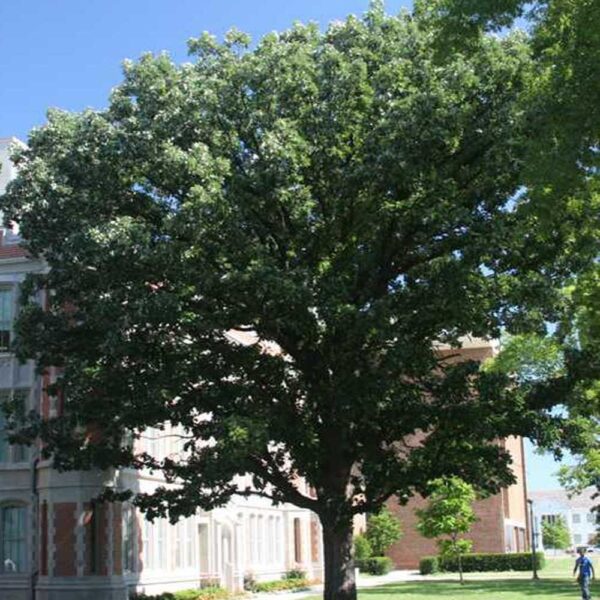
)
(577, 512)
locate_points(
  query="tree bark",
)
(340, 580)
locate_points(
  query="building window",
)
(148, 555)
(297, 541)
(12, 453)
(13, 539)
(129, 530)
(591, 517)
(190, 530)
(549, 518)
(6, 317)
(159, 532)
(576, 518)
(184, 543)
(178, 550)
(95, 532)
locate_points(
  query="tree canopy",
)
(556, 534)
(563, 159)
(268, 248)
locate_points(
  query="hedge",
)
(279, 585)
(207, 593)
(519, 561)
(376, 565)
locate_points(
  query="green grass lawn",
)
(556, 582)
(511, 589)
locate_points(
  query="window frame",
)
(8, 288)
(128, 537)
(16, 454)
(18, 504)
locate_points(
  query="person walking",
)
(586, 573)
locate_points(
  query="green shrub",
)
(429, 565)
(471, 563)
(295, 574)
(362, 548)
(280, 585)
(383, 530)
(163, 596)
(206, 593)
(376, 565)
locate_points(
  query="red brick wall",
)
(487, 533)
(64, 539)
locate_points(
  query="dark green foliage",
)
(344, 199)
(340, 195)
(429, 565)
(476, 562)
(376, 565)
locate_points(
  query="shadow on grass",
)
(549, 588)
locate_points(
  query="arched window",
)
(13, 538)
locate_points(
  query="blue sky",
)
(67, 54)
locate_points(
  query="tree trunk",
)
(340, 580)
(460, 570)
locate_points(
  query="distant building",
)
(502, 520)
(577, 512)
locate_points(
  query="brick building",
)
(502, 524)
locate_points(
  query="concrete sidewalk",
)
(363, 581)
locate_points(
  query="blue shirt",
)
(585, 566)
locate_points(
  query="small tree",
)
(383, 529)
(449, 513)
(362, 548)
(555, 534)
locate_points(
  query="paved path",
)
(363, 581)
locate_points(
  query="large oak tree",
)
(348, 199)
